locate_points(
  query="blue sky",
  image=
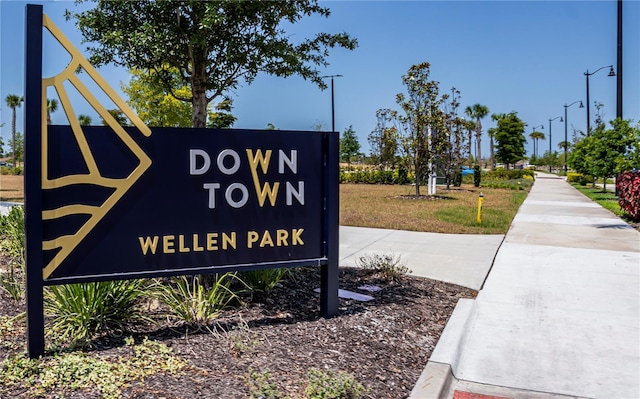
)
(523, 56)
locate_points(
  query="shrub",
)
(516, 184)
(511, 174)
(457, 179)
(263, 280)
(8, 170)
(477, 176)
(628, 186)
(194, 302)
(401, 176)
(375, 176)
(12, 232)
(573, 177)
(262, 386)
(584, 180)
(12, 244)
(387, 266)
(332, 385)
(83, 311)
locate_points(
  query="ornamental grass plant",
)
(192, 300)
(81, 312)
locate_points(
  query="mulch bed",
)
(384, 343)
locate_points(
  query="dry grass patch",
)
(11, 188)
(451, 211)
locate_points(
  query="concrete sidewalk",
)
(463, 259)
(559, 314)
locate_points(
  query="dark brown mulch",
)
(384, 343)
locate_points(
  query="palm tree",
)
(470, 126)
(52, 106)
(535, 136)
(84, 120)
(13, 102)
(477, 111)
(492, 133)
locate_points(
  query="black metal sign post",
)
(33, 200)
(101, 201)
(329, 290)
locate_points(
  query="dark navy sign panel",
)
(211, 198)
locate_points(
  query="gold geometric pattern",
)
(67, 243)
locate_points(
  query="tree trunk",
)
(417, 171)
(470, 149)
(493, 161)
(478, 141)
(13, 135)
(199, 100)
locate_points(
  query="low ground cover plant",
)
(65, 373)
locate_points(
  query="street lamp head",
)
(612, 72)
(581, 105)
(330, 76)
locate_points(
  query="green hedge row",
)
(374, 176)
(5, 170)
(508, 174)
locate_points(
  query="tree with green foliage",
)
(535, 136)
(1, 147)
(156, 106)
(510, 139)
(349, 145)
(478, 111)
(118, 115)
(492, 134)
(471, 127)
(13, 101)
(52, 106)
(550, 159)
(84, 120)
(18, 148)
(221, 117)
(422, 116)
(214, 45)
(448, 148)
(383, 140)
(607, 152)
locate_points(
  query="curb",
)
(434, 382)
(437, 377)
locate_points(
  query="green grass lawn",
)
(606, 199)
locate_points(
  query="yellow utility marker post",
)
(480, 201)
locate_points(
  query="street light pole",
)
(587, 74)
(333, 112)
(551, 120)
(565, 131)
